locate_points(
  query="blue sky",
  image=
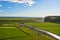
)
(30, 8)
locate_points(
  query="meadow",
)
(51, 27)
(9, 30)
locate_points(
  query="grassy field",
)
(51, 27)
(9, 30)
(16, 34)
(11, 18)
(10, 33)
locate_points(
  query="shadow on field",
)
(24, 32)
(17, 37)
(12, 38)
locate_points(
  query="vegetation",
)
(16, 34)
(7, 33)
(51, 27)
(54, 19)
(9, 30)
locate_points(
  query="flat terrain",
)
(16, 34)
(7, 33)
(9, 30)
(51, 27)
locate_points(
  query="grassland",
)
(51, 27)
(11, 18)
(16, 34)
(9, 30)
(7, 33)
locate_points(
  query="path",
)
(43, 32)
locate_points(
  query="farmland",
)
(51, 27)
(9, 30)
(15, 34)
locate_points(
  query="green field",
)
(9, 30)
(16, 34)
(51, 27)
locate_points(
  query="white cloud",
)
(0, 5)
(9, 7)
(29, 2)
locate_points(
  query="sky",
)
(29, 8)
